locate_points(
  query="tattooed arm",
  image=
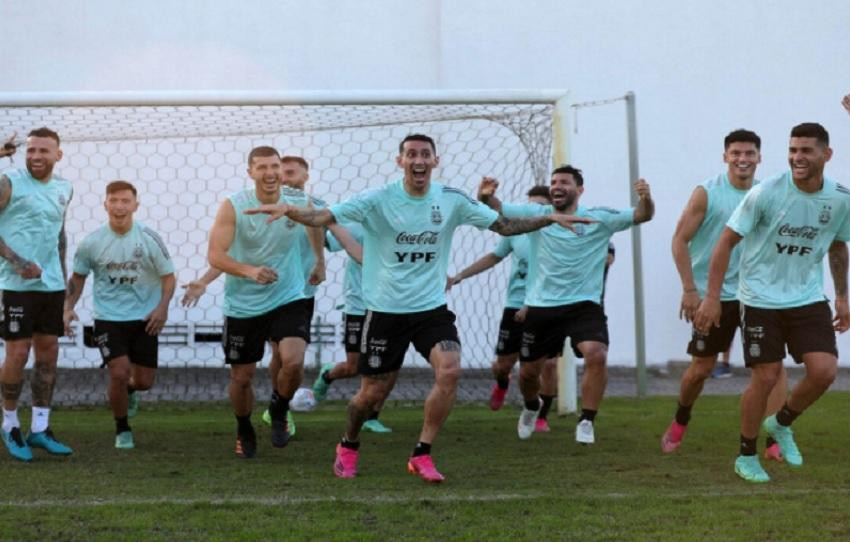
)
(515, 226)
(838, 259)
(307, 216)
(25, 268)
(72, 294)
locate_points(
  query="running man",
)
(133, 285)
(263, 296)
(510, 327)
(702, 221)
(564, 296)
(408, 227)
(33, 204)
(787, 223)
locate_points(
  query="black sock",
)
(683, 414)
(278, 407)
(345, 443)
(326, 376)
(374, 415)
(587, 414)
(748, 446)
(534, 404)
(130, 389)
(503, 382)
(547, 404)
(121, 425)
(768, 442)
(244, 427)
(422, 448)
(786, 416)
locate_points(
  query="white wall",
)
(699, 70)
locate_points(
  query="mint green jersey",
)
(30, 225)
(308, 260)
(723, 198)
(406, 242)
(275, 245)
(352, 283)
(128, 271)
(786, 233)
(567, 267)
(518, 245)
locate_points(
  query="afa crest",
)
(825, 214)
(436, 216)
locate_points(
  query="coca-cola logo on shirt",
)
(421, 238)
(806, 232)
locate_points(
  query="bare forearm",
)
(491, 201)
(11, 256)
(838, 258)
(74, 290)
(683, 264)
(717, 269)
(210, 275)
(63, 246)
(311, 217)
(317, 243)
(644, 210)
(225, 264)
(169, 284)
(348, 242)
(516, 226)
(482, 264)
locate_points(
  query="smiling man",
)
(33, 204)
(787, 224)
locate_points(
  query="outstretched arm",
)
(487, 193)
(687, 227)
(9, 146)
(482, 264)
(303, 215)
(515, 226)
(838, 269)
(708, 313)
(645, 207)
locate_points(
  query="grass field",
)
(183, 482)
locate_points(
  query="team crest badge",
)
(579, 229)
(352, 339)
(137, 252)
(755, 350)
(825, 214)
(104, 351)
(234, 354)
(62, 200)
(290, 223)
(700, 345)
(14, 327)
(436, 216)
(374, 361)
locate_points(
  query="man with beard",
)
(33, 204)
(408, 227)
(565, 286)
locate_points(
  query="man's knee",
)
(701, 367)
(241, 375)
(766, 375)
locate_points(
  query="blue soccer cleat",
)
(784, 436)
(46, 441)
(16, 445)
(749, 468)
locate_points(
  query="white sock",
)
(40, 419)
(10, 420)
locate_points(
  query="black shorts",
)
(244, 339)
(546, 329)
(720, 338)
(386, 337)
(116, 339)
(25, 313)
(804, 329)
(353, 336)
(310, 304)
(510, 334)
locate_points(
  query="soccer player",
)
(408, 227)
(702, 221)
(564, 294)
(263, 297)
(787, 224)
(133, 285)
(510, 327)
(33, 204)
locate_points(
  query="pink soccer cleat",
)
(672, 438)
(497, 397)
(773, 453)
(541, 426)
(423, 466)
(345, 465)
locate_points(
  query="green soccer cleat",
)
(320, 387)
(749, 468)
(290, 423)
(46, 441)
(376, 426)
(267, 417)
(784, 436)
(124, 440)
(133, 400)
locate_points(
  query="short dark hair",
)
(742, 136)
(811, 129)
(417, 137)
(44, 131)
(261, 151)
(575, 172)
(118, 186)
(297, 159)
(539, 190)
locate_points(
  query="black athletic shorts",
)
(510, 334)
(244, 339)
(353, 332)
(25, 313)
(546, 329)
(720, 338)
(310, 305)
(804, 329)
(386, 337)
(116, 339)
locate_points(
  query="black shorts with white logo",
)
(510, 334)
(244, 339)
(25, 313)
(804, 329)
(720, 338)
(353, 332)
(386, 337)
(546, 329)
(116, 339)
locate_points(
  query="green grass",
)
(183, 482)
